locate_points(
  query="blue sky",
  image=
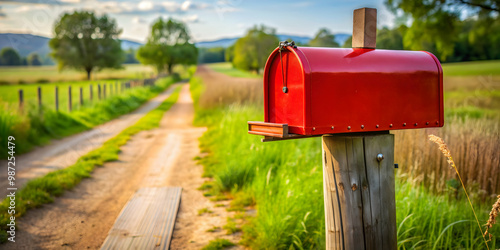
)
(206, 19)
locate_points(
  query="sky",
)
(206, 19)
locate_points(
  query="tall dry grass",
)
(223, 90)
(475, 144)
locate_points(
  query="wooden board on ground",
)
(147, 221)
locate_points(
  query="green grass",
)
(285, 180)
(31, 74)
(227, 68)
(204, 210)
(43, 190)
(32, 128)
(218, 244)
(10, 93)
(472, 68)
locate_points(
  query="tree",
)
(390, 38)
(211, 55)
(168, 45)
(10, 57)
(34, 59)
(347, 43)
(84, 41)
(130, 56)
(324, 38)
(435, 25)
(252, 50)
(229, 54)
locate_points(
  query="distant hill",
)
(26, 44)
(226, 42)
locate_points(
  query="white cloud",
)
(190, 19)
(145, 5)
(185, 5)
(138, 20)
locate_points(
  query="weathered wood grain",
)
(360, 210)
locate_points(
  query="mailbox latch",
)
(281, 47)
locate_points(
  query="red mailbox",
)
(312, 91)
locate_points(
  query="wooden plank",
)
(268, 129)
(147, 221)
(355, 168)
(359, 195)
(382, 188)
(364, 29)
(333, 214)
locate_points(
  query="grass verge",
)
(34, 128)
(228, 69)
(43, 190)
(286, 184)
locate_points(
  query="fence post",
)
(40, 98)
(116, 88)
(91, 93)
(21, 99)
(70, 104)
(81, 96)
(110, 89)
(104, 91)
(99, 91)
(359, 191)
(57, 98)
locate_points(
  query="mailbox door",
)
(285, 70)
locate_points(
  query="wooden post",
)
(40, 98)
(70, 103)
(110, 89)
(21, 99)
(359, 191)
(116, 88)
(81, 96)
(104, 91)
(57, 99)
(91, 94)
(364, 29)
(99, 91)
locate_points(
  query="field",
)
(227, 68)
(32, 126)
(432, 212)
(483, 68)
(43, 74)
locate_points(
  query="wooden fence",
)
(113, 89)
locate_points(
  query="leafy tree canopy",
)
(252, 50)
(10, 57)
(436, 24)
(34, 59)
(84, 41)
(168, 45)
(324, 38)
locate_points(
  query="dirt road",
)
(63, 153)
(81, 218)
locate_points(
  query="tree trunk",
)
(89, 70)
(169, 69)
